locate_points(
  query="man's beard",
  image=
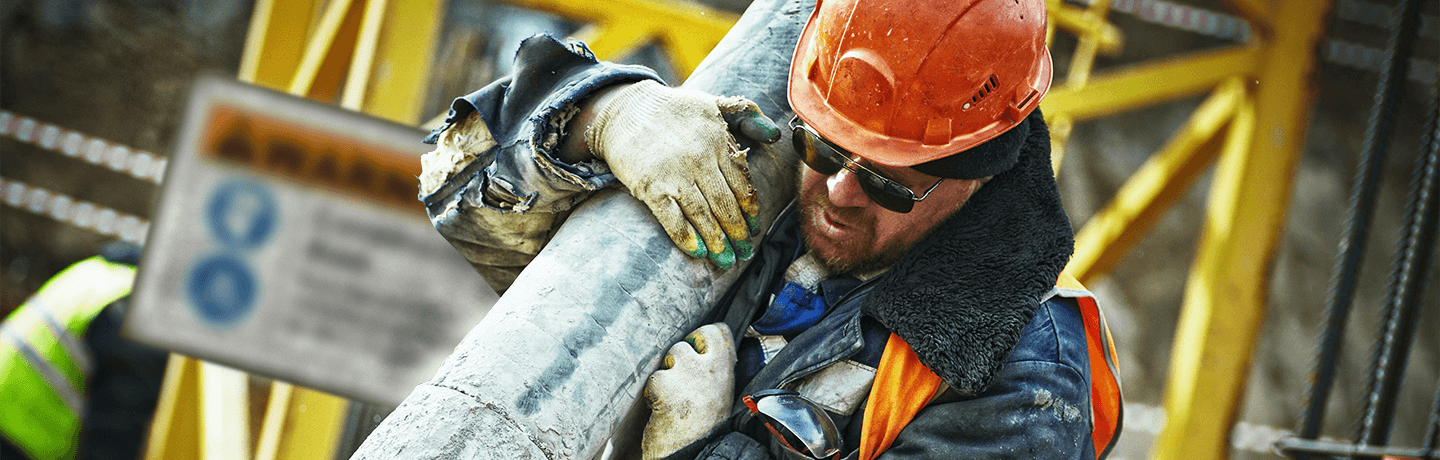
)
(846, 257)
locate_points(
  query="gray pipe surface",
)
(561, 359)
(563, 356)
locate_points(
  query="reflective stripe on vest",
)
(43, 360)
(1106, 401)
(73, 345)
(61, 386)
(903, 385)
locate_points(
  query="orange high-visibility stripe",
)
(1104, 386)
(902, 387)
(1105, 397)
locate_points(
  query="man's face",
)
(851, 233)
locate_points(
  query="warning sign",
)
(289, 243)
(315, 158)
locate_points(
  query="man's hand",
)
(674, 149)
(691, 393)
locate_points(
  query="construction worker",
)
(73, 388)
(909, 303)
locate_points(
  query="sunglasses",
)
(826, 158)
(803, 428)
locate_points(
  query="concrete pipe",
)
(561, 359)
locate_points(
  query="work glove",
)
(675, 151)
(691, 393)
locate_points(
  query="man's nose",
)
(845, 192)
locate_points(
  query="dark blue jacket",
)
(1031, 402)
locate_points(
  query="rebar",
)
(1432, 437)
(1404, 296)
(1361, 211)
(1331, 449)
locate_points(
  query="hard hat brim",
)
(810, 103)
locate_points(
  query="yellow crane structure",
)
(1254, 123)
(374, 56)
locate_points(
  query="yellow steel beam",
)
(688, 30)
(273, 426)
(300, 424)
(1150, 83)
(409, 34)
(1086, 23)
(1257, 12)
(1225, 295)
(357, 80)
(615, 38)
(175, 429)
(224, 413)
(1081, 62)
(1149, 192)
(328, 51)
(688, 49)
(1060, 128)
(276, 42)
(1209, 289)
(1094, 35)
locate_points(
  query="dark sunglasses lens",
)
(886, 194)
(810, 150)
(825, 160)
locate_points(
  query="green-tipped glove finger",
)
(691, 393)
(675, 150)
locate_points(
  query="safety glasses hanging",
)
(826, 158)
(803, 428)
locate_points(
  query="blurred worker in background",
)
(909, 303)
(71, 386)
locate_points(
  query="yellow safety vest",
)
(43, 360)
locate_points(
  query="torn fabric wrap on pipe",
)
(563, 356)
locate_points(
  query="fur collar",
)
(962, 296)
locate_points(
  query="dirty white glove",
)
(691, 393)
(674, 149)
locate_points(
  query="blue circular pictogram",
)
(221, 288)
(242, 214)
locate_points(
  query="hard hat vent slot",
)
(990, 85)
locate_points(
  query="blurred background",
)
(1217, 329)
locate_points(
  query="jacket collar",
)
(961, 297)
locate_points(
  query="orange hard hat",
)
(909, 82)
